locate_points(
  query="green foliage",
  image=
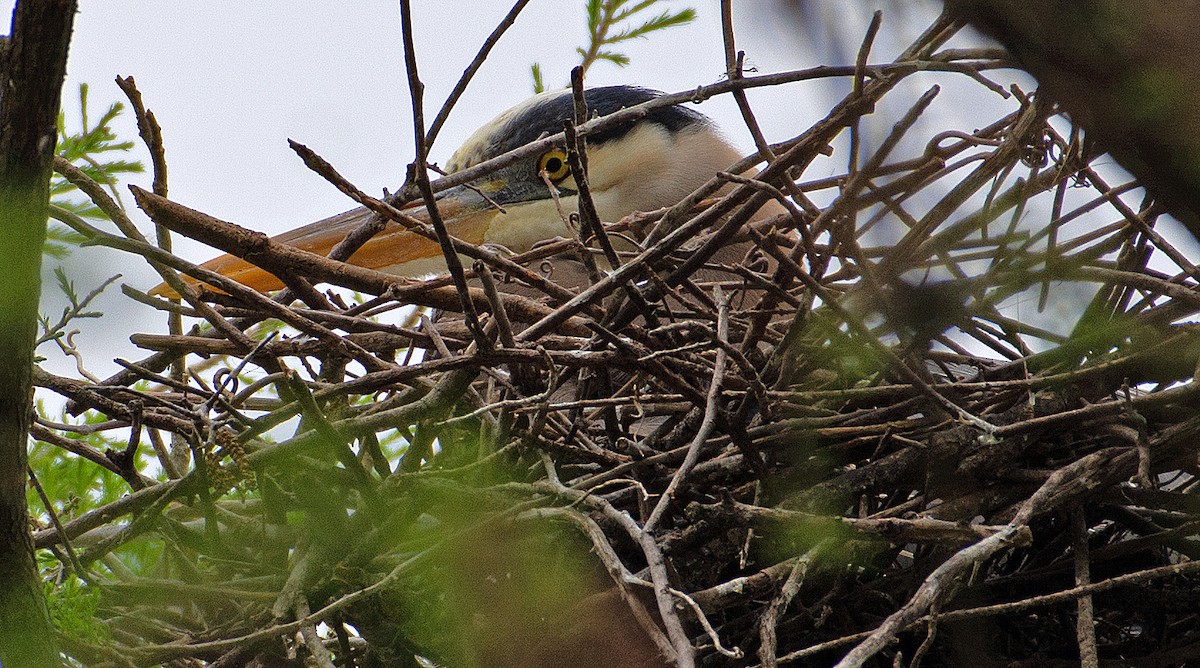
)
(73, 608)
(144, 556)
(59, 240)
(90, 149)
(77, 307)
(784, 539)
(539, 86)
(80, 484)
(77, 486)
(611, 22)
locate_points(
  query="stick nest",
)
(938, 408)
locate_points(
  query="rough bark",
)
(32, 66)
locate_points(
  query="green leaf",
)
(89, 150)
(621, 16)
(60, 239)
(619, 59)
(593, 15)
(664, 20)
(539, 86)
(73, 606)
(604, 25)
(65, 284)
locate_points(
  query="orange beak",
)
(395, 250)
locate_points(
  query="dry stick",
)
(277, 257)
(293, 600)
(1106, 196)
(819, 135)
(377, 341)
(931, 629)
(117, 215)
(1112, 196)
(895, 529)
(103, 515)
(894, 361)
(919, 241)
(768, 623)
(751, 199)
(856, 183)
(419, 173)
(750, 372)
(145, 520)
(493, 295)
(523, 376)
(706, 426)
(72, 557)
(935, 587)
(612, 563)
(733, 71)
(735, 653)
(448, 391)
(308, 631)
(168, 212)
(151, 134)
(292, 588)
(1085, 624)
(860, 179)
(663, 242)
(327, 432)
(645, 358)
(599, 290)
(87, 393)
(460, 87)
(699, 94)
(159, 360)
(1057, 598)
(388, 211)
(685, 654)
(1066, 483)
(731, 592)
(867, 270)
(375, 381)
(72, 445)
(578, 159)
(860, 64)
(157, 258)
(1181, 293)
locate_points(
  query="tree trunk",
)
(33, 63)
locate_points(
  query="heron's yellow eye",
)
(554, 163)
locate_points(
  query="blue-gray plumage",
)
(544, 115)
